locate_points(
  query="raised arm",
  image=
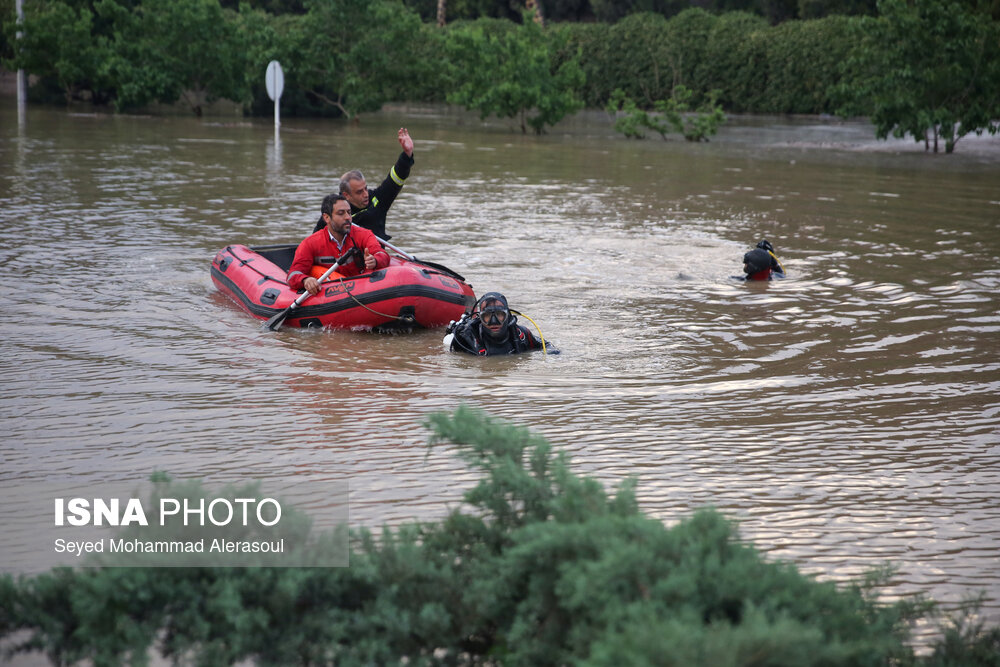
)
(405, 141)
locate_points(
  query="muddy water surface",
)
(846, 416)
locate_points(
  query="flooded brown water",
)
(846, 416)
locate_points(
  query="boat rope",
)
(248, 263)
(408, 319)
(540, 336)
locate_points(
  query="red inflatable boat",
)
(406, 294)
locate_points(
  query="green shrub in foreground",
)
(546, 569)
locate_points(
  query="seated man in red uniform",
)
(327, 245)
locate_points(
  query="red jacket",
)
(320, 248)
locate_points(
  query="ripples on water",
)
(845, 416)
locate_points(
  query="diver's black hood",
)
(493, 296)
(508, 323)
(755, 261)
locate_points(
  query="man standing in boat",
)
(369, 207)
(335, 238)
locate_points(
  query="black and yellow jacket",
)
(380, 199)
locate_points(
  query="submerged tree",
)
(673, 114)
(927, 68)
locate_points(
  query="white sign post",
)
(274, 79)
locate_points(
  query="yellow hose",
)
(540, 336)
(775, 259)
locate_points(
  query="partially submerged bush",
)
(673, 114)
(546, 569)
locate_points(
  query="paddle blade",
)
(276, 321)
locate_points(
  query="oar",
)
(275, 322)
(398, 251)
(406, 255)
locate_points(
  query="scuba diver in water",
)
(761, 263)
(490, 329)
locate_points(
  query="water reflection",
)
(274, 164)
(847, 415)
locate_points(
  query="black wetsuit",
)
(472, 337)
(379, 199)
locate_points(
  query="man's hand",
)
(311, 285)
(370, 262)
(405, 141)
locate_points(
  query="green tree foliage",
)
(662, 54)
(927, 68)
(694, 124)
(647, 73)
(542, 567)
(7, 14)
(630, 120)
(512, 71)
(58, 43)
(430, 78)
(802, 65)
(736, 59)
(135, 52)
(966, 639)
(754, 67)
(773, 11)
(611, 11)
(687, 39)
(354, 55)
(592, 46)
(168, 50)
(278, 38)
(266, 38)
(672, 115)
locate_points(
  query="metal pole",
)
(22, 80)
